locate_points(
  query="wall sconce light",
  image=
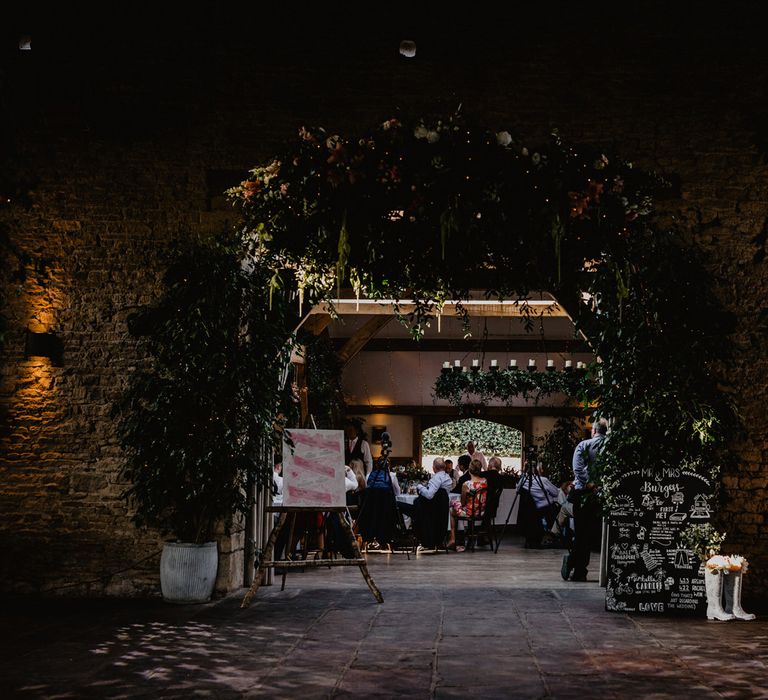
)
(44, 345)
(408, 48)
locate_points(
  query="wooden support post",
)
(290, 548)
(267, 557)
(358, 555)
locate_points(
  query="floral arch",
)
(419, 209)
(422, 209)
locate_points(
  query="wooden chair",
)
(477, 523)
(491, 510)
(430, 521)
(380, 519)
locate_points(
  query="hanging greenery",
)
(462, 387)
(426, 208)
(421, 208)
(326, 399)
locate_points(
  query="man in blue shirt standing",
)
(585, 510)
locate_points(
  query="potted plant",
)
(194, 416)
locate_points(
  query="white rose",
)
(433, 137)
(420, 132)
(503, 138)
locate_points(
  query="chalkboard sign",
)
(649, 569)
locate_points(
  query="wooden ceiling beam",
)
(497, 309)
(462, 345)
(358, 341)
(316, 322)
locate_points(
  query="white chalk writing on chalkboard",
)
(651, 558)
(646, 584)
(624, 553)
(682, 559)
(665, 490)
(649, 569)
(623, 504)
(700, 507)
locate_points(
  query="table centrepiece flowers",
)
(414, 473)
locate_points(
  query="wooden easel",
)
(268, 561)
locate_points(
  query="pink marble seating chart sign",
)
(313, 470)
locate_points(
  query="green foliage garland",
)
(505, 384)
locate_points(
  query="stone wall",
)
(116, 139)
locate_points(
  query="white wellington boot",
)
(715, 596)
(732, 586)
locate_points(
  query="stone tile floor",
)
(452, 625)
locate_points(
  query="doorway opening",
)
(492, 439)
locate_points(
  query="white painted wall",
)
(400, 430)
(541, 425)
(407, 378)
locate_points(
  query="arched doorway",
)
(449, 439)
(416, 212)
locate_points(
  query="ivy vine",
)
(195, 418)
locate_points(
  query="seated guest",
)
(450, 472)
(350, 480)
(495, 486)
(378, 519)
(429, 510)
(382, 478)
(354, 480)
(463, 466)
(474, 492)
(439, 480)
(543, 495)
(561, 526)
(277, 481)
(358, 468)
(493, 474)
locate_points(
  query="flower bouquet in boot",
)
(715, 573)
(732, 582)
(705, 542)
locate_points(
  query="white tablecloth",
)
(505, 503)
(411, 497)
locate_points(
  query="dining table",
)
(411, 498)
